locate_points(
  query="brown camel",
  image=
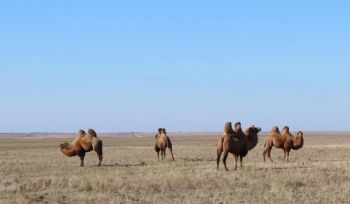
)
(162, 142)
(83, 143)
(284, 140)
(236, 142)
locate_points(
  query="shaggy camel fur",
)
(83, 143)
(236, 142)
(162, 142)
(284, 140)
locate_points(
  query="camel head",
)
(300, 134)
(298, 141)
(252, 136)
(252, 130)
(68, 149)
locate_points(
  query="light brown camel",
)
(284, 140)
(236, 142)
(162, 142)
(83, 143)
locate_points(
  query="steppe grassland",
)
(33, 170)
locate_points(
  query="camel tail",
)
(92, 132)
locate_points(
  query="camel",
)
(236, 142)
(162, 142)
(83, 142)
(284, 140)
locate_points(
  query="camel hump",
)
(81, 132)
(300, 134)
(92, 132)
(160, 131)
(285, 129)
(275, 129)
(228, 128)
(238, 126)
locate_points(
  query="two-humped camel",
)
(163, 142)
(83, 142)
(284, 140)
(236, 142)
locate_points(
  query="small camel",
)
(284, 140)
(162, 142)
(83, 142)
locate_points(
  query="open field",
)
(32, 170)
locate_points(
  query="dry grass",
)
(33, 170)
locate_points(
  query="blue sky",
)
(183, 65)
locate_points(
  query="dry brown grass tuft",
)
(33, 170)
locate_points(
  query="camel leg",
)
(81, 160)
(162, 154)
(171, 152)
(97, 146)
(287, 156)
(224, 159)
(100, 157)
(218, 155)
(157, 150)
(81, 156)
(236, 160)
(269, 154)
(267, 149)
(241, 161)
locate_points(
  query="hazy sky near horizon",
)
(183, 65)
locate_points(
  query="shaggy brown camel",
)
(236, 142)
(83, 143)
(284, 140)
(162, 142)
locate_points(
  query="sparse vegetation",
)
(32, 169)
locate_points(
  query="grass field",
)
(33, 170)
